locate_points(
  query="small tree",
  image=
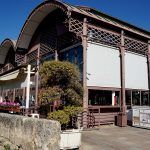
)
(49, 94)
(66, 77)
(61, 80)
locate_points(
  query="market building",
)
(113, 57)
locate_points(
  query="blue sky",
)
(13, 13)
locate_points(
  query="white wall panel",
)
(136, 72)
(103, 65)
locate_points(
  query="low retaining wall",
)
(29, 133)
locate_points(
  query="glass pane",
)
(136, 97)
(144, 98)
(73, 55)
(47, 57)
(128, 97)
(117, 98)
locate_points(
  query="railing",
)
(98, 115)
(32, 56)
(107, 37)
(136, 46)
(6, 68)
(100, 35)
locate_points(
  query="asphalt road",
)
(116, 138)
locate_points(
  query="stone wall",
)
(26, 133)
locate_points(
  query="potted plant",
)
(66, 77)
(70, 138)
(9, 106)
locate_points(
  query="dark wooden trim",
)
(136, 89)
(37, 76)
(103, 88)
(103, 106)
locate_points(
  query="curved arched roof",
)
(35, 18)
(41, 11)
(4, 48)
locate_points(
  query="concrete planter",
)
(70, 139)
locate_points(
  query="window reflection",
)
(73, 55)
(47, 57)
(136, 97)
(144, 98)
(128, 97)
(103, 97)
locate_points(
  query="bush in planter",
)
(73, 110)
(60, 116)
(65, 116)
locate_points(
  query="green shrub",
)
(73, 110)
(60, 116)
(64, 76)
(71, 97)
(7, 147)
(58, 73)
(49, 94)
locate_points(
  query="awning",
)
(10, 76)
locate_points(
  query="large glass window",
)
(100, 97)
(137, 98)
(73, 55)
